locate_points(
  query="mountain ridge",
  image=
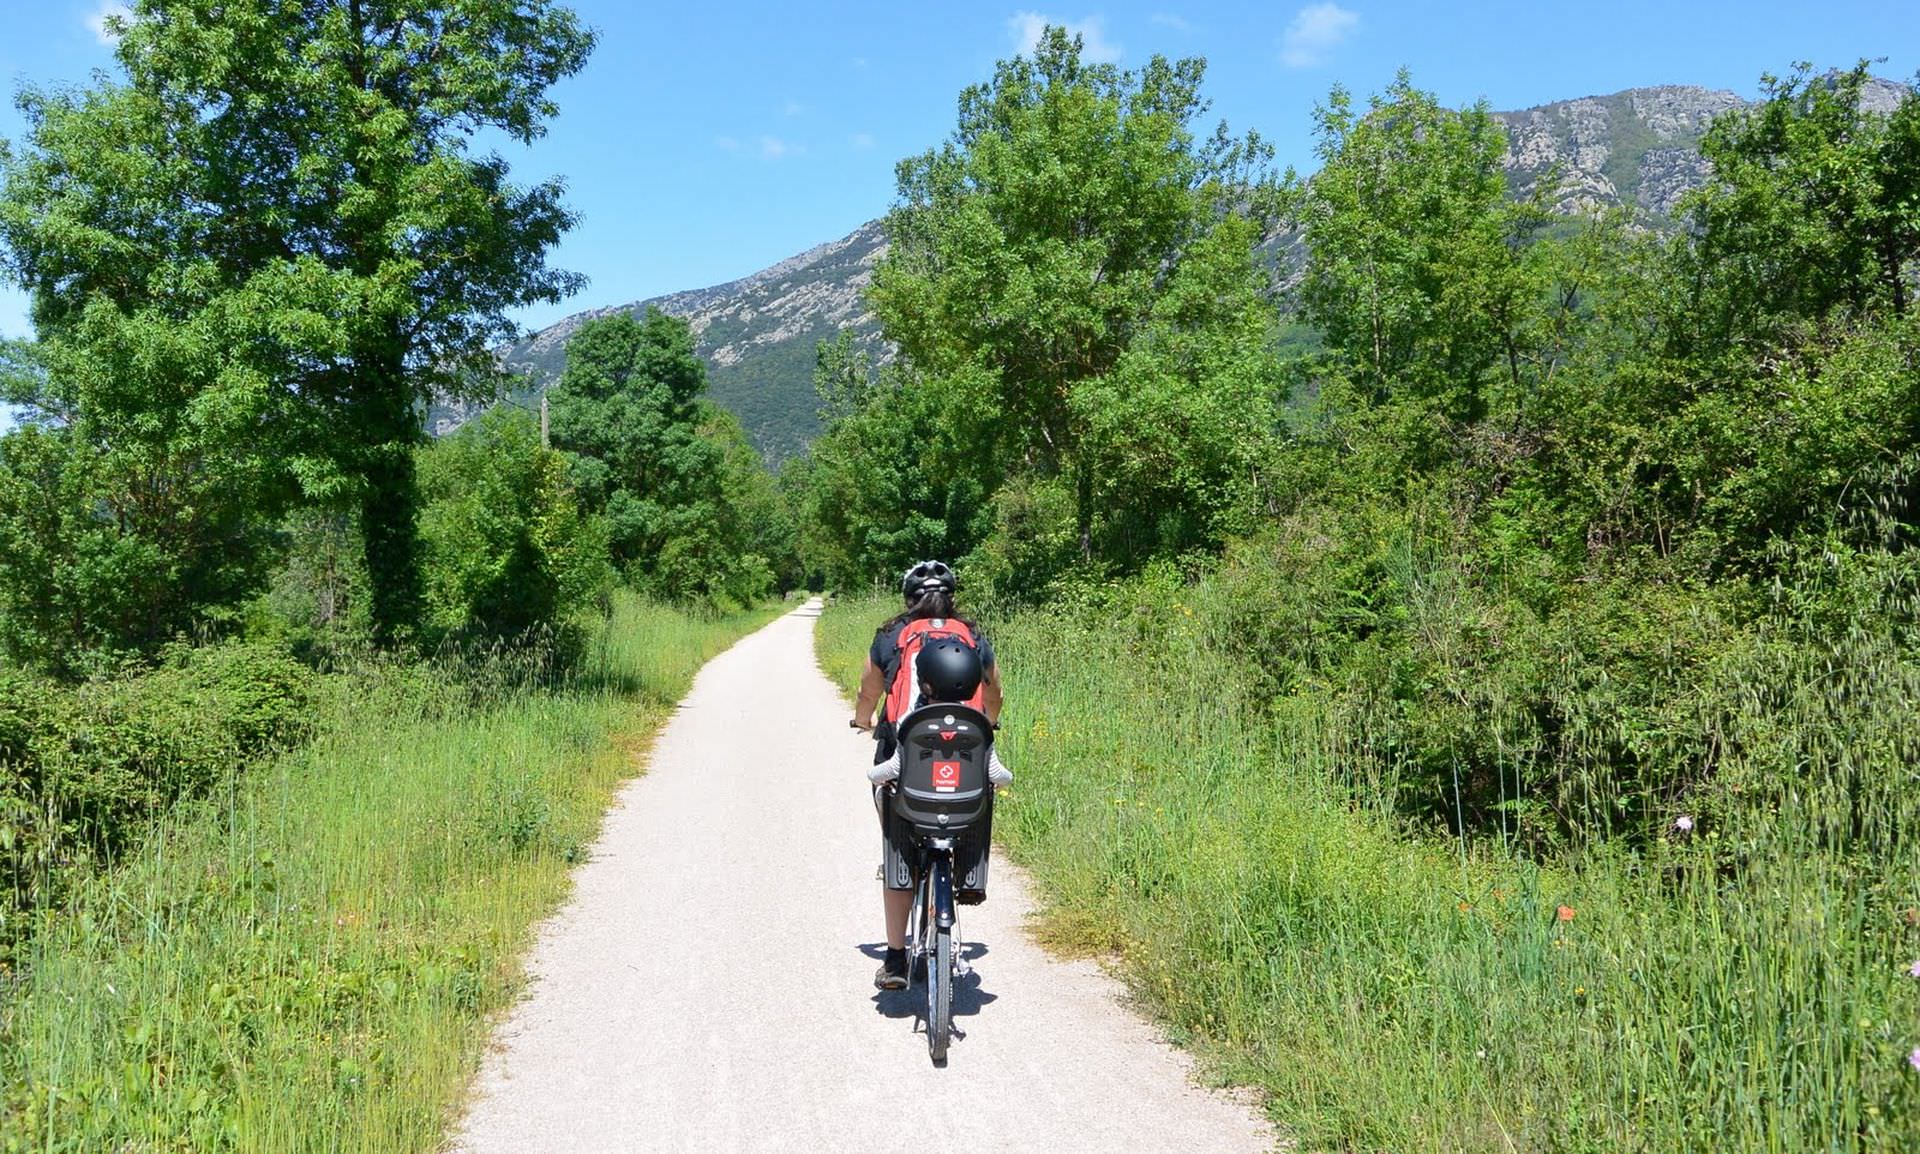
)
(1636, 149)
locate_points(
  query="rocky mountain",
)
(1636, 149)
(758, 335)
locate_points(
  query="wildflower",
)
(1683, 823)
(1579, 991)
(1913, 1059)
(1465, 906)
(1564, 913)
(1913, 971)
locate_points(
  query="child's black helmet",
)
(925, 576)
(949, 669)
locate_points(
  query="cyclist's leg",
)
(896, 872)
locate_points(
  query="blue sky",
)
(703, 142)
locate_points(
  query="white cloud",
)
(1315, 30)
(861, 140)
(792, 108)
(97, 21)
(773, 148)
(726, 144)
(1025, 28)
(1170, 20)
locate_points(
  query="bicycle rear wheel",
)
(940, 994)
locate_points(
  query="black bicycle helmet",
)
(924, 576)
(949, 669)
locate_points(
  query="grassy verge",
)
(307, 960)
(1391, 990)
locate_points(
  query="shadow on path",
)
(968, 993)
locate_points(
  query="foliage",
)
(84, 770)
(1072, 260)
(251, 261)
(690, 514)
(1422, 274)
(506, 549)
(1811, 211)
(125, 526)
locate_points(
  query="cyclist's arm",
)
(870, 690)
(990, 693)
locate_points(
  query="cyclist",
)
(946, 670)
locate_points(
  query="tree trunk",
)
(388, 505)
(1084, 501)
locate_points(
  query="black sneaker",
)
(969, 897)
(892, 974)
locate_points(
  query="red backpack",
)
(905, 685)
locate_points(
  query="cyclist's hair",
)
(926, 603)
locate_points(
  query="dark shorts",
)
(970, 850)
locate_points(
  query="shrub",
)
(506, 548)
(84, 768)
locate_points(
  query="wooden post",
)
(545, 442)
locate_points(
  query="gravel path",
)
(709, 986)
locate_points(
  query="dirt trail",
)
(709, 986)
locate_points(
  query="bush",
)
(83, 769)
(506, 549)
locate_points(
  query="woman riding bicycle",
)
(947, 669)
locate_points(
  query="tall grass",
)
(307, 960)
(1733, 988)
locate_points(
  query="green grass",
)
(1394, 991)
(308, 961)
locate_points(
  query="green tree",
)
(293, 185)
(691, 511)
(901, 476)
(507, 548)
(1814, 208)
(1029, 252)
(123, 527)
(628, 405)
(1424, 277)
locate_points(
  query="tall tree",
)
(1814, 208)
(691, 510)
(295, 180)
(628, 405)
(1421, 272)
(1033, 246)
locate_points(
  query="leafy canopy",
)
(278, 217)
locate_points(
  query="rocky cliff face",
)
(1636, 149)
(1633, 148)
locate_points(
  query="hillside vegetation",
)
(1493, 727)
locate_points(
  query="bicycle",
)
(941, 793)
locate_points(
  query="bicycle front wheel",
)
(940, 994)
